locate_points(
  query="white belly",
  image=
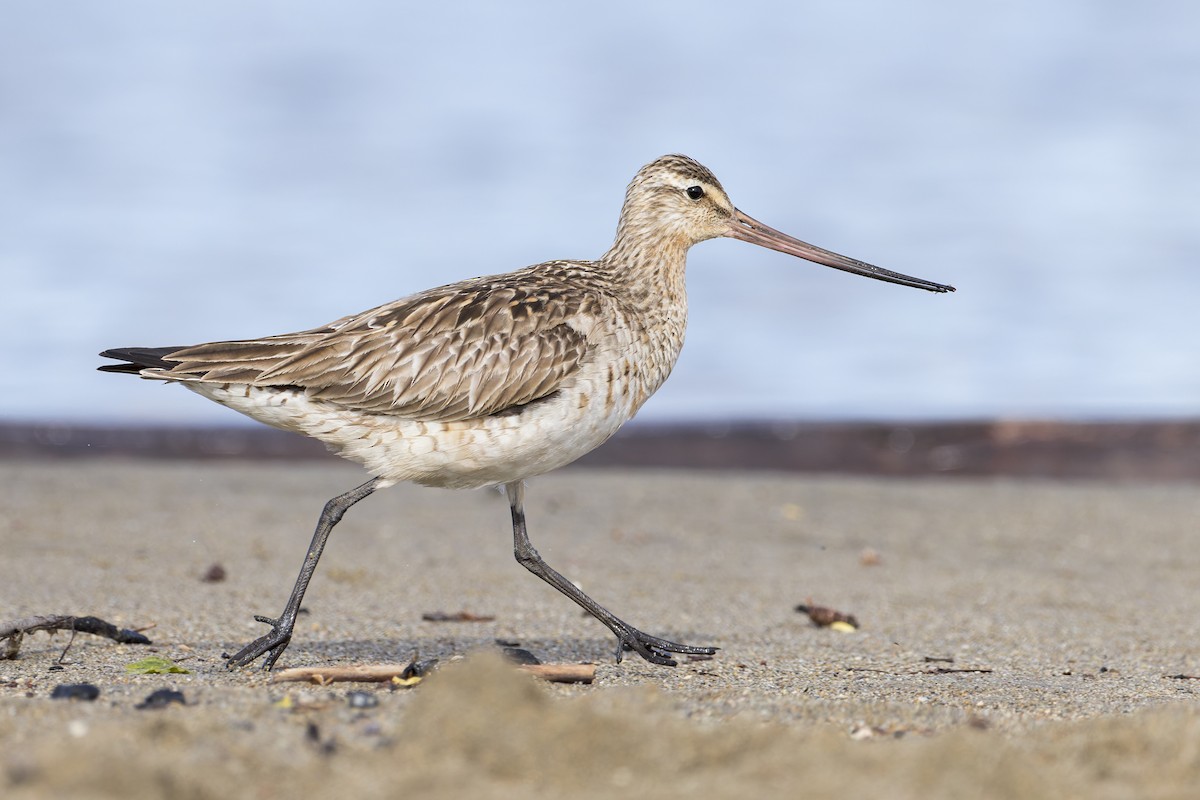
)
(542, 437)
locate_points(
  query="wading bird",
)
(491, 380)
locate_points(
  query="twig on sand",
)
(364, 673)
(13, 631)
(457, 616)
(561, 673)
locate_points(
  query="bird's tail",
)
(137, 359)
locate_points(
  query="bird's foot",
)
(270, 645)
(655, 650)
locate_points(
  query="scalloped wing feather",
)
(453, 353)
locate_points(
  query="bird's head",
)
(676, 201)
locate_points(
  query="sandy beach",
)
(1017, 638)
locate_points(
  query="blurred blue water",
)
(182, 173)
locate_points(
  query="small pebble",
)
(519, 656)
(359, 699)
(75, 691)
(214, 574)
(162, 698)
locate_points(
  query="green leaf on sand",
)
(155, 665)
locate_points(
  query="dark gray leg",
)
(651, 648)
(273, 643)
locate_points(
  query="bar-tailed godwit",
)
(491, 380)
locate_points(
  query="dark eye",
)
(695, 192)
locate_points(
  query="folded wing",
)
(447, 354)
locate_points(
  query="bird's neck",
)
(652, 268)
(653, 298)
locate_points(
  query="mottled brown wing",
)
(453, 353)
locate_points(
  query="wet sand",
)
(1017, 639)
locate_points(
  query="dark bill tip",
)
(748, 229)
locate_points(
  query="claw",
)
(270, 646)
(655, 650)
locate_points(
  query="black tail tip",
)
(137, 358)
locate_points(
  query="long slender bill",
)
(751, 230)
